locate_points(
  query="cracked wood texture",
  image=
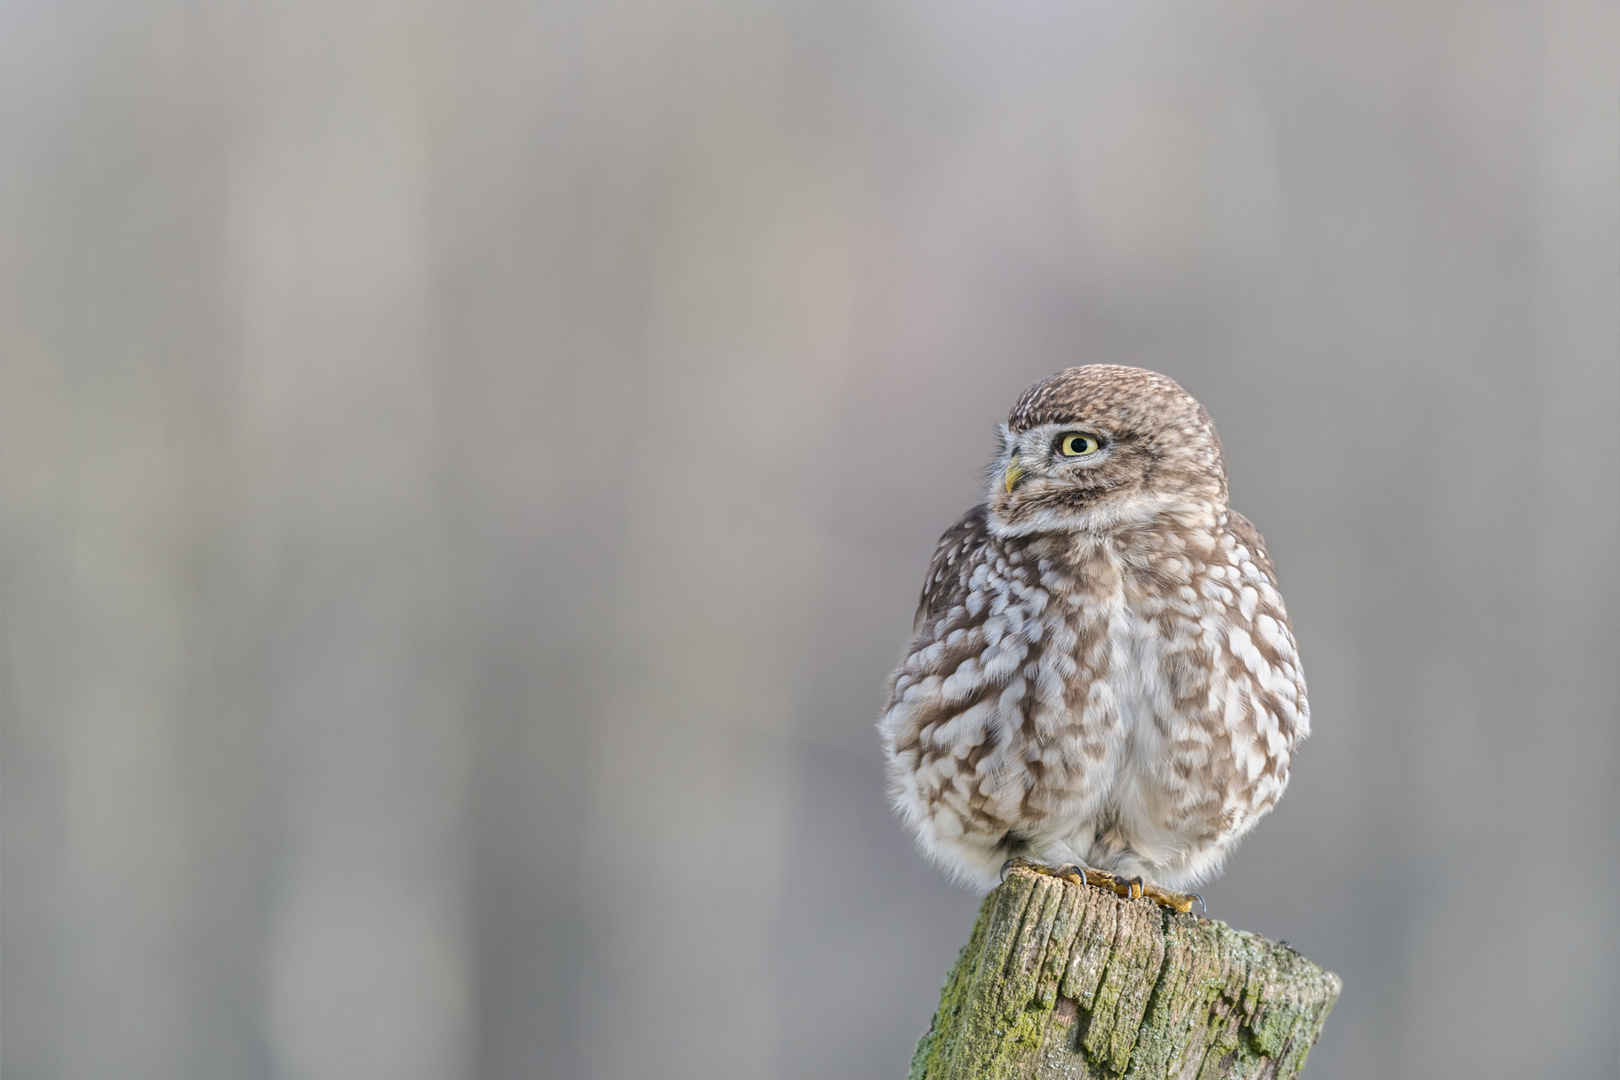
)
(1064, 980)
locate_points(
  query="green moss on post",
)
(1059, 979)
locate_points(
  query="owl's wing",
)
(1274, 650)
(1250, 537)
(947, 583)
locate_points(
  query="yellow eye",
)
(1073, 444)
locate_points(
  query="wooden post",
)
(1066, 980)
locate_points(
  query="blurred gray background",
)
(468, 469)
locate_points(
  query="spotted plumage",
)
(1102, 671)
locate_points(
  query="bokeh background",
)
(468, 468)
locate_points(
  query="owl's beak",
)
(1015, 472)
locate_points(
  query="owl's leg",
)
(1129, 888)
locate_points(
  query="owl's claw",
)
(1175, 901)
(1072, 872)
(1022, 863)
(1128, 888)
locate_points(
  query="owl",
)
(1102, 681)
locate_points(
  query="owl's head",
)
(1103, 446)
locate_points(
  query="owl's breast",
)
(1123, 662)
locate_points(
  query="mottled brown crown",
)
(1139, 398)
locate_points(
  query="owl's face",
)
(1100, 447)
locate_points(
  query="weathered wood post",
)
(1062, 979)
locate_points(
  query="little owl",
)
(1103, 681)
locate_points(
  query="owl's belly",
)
(1145, 812)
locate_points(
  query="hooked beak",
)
(1015, 472)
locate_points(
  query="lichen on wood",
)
(1060, 979)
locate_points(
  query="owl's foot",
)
(1132, 888)
(1175, 901)
(1129, 888)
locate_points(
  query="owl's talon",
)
(1070, 871)
(1176, 901)
(1203, 908)
(1126, 888)
(1022, 863)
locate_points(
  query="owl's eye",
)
(1074, 444)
